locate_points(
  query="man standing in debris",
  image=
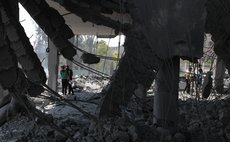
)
(64, 80)
(188, 80)
(70, 77)
(199, 77)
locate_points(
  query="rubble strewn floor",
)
(203, 120)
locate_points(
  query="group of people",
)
(66, 77)
(197, 77)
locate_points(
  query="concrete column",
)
(53, 63)
(166, 97)
(219, 75)
(69, 63)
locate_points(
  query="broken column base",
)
(166, 97)
(9, 105)
(10, 110)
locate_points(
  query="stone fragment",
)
(224, 117)
(59, 136)
(178, 137)
(163, 131)
(132, 132)
(90, 139)
(77, 135)
(168, 137)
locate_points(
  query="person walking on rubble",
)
(188, 80)
(69, 78)
(199, 77)
(64, 80)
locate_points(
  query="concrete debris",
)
(133, 133)
(163, 131)
(224, 117)
(206, 120)
(89, 83)
(178, 137)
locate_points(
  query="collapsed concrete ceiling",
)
(87, 28)
(149, 55)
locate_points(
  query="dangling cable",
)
(107, 49)
(91, 69)
(100, 56)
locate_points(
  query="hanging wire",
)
(107, 49)
(100, 56)
(119, 41)
(120, 28)
(104, 75)
(91, 69)
(119, 46)
(106, 57)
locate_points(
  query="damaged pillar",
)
(219, 75)
(53, 63)
(68, 62)
(166, 97)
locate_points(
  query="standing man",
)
(70, 77)
(64, 80)
(199, 77)
(188, 80)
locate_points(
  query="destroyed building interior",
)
(143, 98)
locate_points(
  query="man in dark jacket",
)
(70, 77)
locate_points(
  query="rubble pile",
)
(89, 83)
(203, 120)
(198, 121)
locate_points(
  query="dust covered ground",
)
(199, 120)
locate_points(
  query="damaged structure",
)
(159, 34)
